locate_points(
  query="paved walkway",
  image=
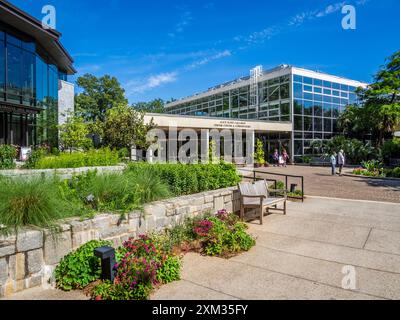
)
(319, 182)
(297, 256)
(302, 255)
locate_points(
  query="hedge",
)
(184, 179)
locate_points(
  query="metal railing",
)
(256, 176)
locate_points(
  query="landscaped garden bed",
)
(41, 201)
(145, 263)
(375, 169)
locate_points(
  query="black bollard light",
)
(107, 256)
(293, 187)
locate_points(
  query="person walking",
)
(341, 161)
(333, 163)
(285, 157)
(275, 157)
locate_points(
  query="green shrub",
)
(35, 201)
(79, 268)
(391, 149)
(91, 158)
(170, 270)
(185, 179)
(141, 265)
(34, 157)
(7, 155)
(223, 235)
(392, 173)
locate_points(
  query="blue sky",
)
(176, 48)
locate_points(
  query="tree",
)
(73, 134)
(124, 127)
(381, 100)
(154, 106)
(99, 95)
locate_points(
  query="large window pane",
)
(28, 77)
(14, 73)
(298, 123)
(308, 107)
(298, 90)
(274, 93)
(317, 124)
(318, 109)
(2, 68)
(285, 91)
(327, 110)
(308, 124)
(328, 125)
(298, 107)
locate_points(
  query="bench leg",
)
(241, 212)
(261, 215)
(284, 208)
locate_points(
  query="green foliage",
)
(34, 157)
(391, 149)
(98, 96)
(355, 150)
(91, 158)
(372, 165)
(170, 270)
(73, 134)
(115, 191)
(141, 266)
(79, 268)
(7, 155)
(153, 106)
(223, 235)
(32, 202)
(379, 111)
(185, 179)
(259, 155)
(124, 127)
(392, 173)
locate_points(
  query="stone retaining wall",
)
(62, 173)
(28, 258)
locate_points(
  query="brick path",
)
(319, 182)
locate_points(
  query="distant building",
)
(34, 67)
(287, 107)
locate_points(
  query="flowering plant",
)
(202, 227)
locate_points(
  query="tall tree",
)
(99, 95)
(124, 127)
(378, 113)
(154, 106)
(382, 98)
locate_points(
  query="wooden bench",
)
(256, 196)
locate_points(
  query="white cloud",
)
(206, 60)
(186, 18)
(136, 86)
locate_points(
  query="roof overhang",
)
(48, 39)
(165, 121)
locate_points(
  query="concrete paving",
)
(302, 256)
(297, 256)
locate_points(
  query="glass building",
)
(311, 101)
(32, 61)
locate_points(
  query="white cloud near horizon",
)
(134, 86)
